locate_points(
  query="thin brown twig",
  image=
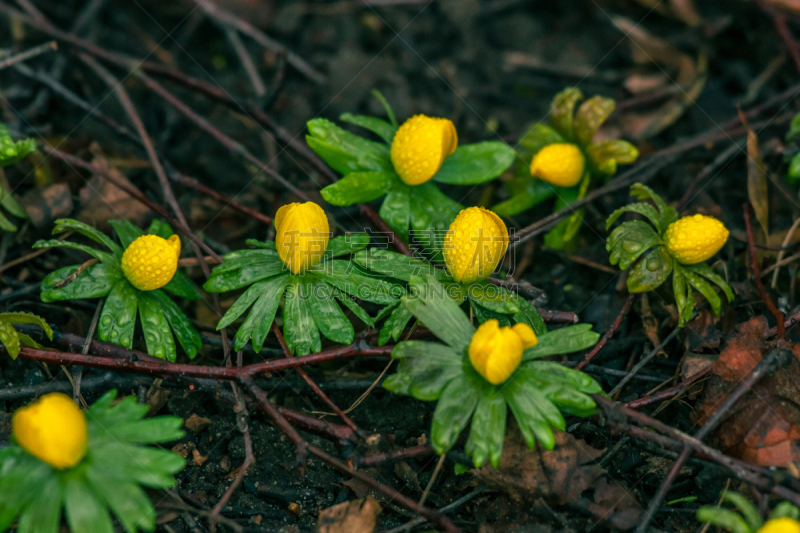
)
(781, 26)
(757, 277)
(28, 54)
(188, 181)
(35, 253)
(672, 391)
(608, 334)
(72, 277)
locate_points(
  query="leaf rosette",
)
(538, 392)
(163, 322)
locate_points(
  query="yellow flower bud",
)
(496, 352)
(474, 244)
(420, 146)
(302, 235)
(52, 429)
(695, 238)
(150, 261)
(559, 164)
(781, 525)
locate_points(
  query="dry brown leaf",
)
(562, 475)
(757, 190)
(197, 423)
(102, 201)
(46, 204)
(682, 10)
(356, 516)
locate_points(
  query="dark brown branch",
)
(608, 334)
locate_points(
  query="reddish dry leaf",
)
(356, 516)
(102, 201)
(47, 204)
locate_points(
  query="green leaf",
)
(104, 257)
(9, 338)
(396, 210)
(453, 411)
(67, 224)
(267, 245)
(785, 509)
(149, 431)
(26, 340)
(28, 318)
(358, 187)
(704, 270)
(353, 307)
(640, 191)
(431, 208)
(43, 514)
(21, 478)
(493, 297)
(643, 209)
(118, 317)
(5, 224)
(181, 285)
(481, 315)
(428, 301)
(747, 509)
(590, 116)
(425, 369)
(394, 325)
(396, 265)
(160, 228)
(535, 414)
(651, 271)
(8, 201)
(528, 314)
(542, 373)
(605, 155)
(629, 241)
(345, 276)
(328, 316)
(102, 415)
(94, 282)
(704, 288)
(389, 111)
(561, 111)
(157, 333)
(181, 326)
(245, 269)
(126, 231)
(568, 339)
(347, 244)
(126, 499)
(537, 137)
(488, 428)
(472, 164)
(723, 518)
(259, 321)
(346, 152)
(379, 127)
(683, 295)
(565, 230)
(299, 329)
(10, 151)
(536, 192)
(150, 467)
(84, 511)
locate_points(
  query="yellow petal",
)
(781, 525)
(559, 164)
(526, 335)
(302, 235)
(474, 244)
(420, 146)
(495, 352)
(694, 239)
(52, 429)
(150, 261)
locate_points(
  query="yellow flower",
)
(52, 429)
(781, 525)
(559, 164)
(474, 244)
(695, 238)
(150, 261)
(496, 352)
(302, 235)
(420, 146)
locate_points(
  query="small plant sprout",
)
(90, 465)
(477, 374)
(403, 166)
(472, 248)
(13, 339)
(785, 518)
(131, 276)
(10, 153)
(299, 268)
(560, 160)
(664, 245)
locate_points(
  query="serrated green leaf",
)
(493, 297)
(396, 265)
(21, 478)
(347, 152)
(345, 276)
(683, 296)
(606, 155)
(147, 466)
(704, 288)
(379, 127)
(568, 339)
(359, 187)
(704, 270)
(182, 327)
(723, 518)
(94, 282)
(149, 431)
(651, 271)
(745, 507)
(472, 164)
(429, 302)
(425, 369)
(541, 373)
(353, 307)
(529, 315)
(453, 411)
(10, 151)
(28, 318)
(67, 224)
(85, 512)
(535, 414)
(299, 329)
(243, 270)
(488, 428)
(629, 241)
(126, 231)
(43, 513)
(643, 209)
(104, 257)
(394, 325)
(9, 338)
(590, 116)
(118, 317)
(259, 321)
(157, 332)
(327, 314)
(127, 500)
(562, 109)
(640, 191)
(244, 301)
